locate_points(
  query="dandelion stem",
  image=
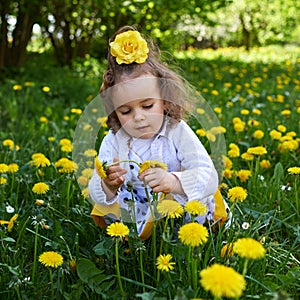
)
(68, 195)
(142, 269)
(162, 240)
(296, 196)
(35, 252)
(118, 268)
(51, 282)
(189, 265)
(194, 273)
(245, 267)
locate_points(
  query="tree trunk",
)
(12, 53)
(245, 33)
(3, 33)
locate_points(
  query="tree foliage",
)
(75, 28)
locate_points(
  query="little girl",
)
(146, 103)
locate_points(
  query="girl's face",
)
(142, 118)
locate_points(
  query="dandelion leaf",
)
(90, 274)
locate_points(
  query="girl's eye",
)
(147, 106)
(126, 112)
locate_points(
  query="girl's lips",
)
(142, 127)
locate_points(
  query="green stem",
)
(51, 282)
(194, 273)
(189, 265)
(68, 195)
(35, 252)
(162, 240)
(245, 267)
(296, 196)
(121, 161)
(142, 269)
(118, 268)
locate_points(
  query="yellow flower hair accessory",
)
(129, 47)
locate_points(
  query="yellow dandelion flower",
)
(51, 139)
(40, 202)
(294, 170)
(65, 142)
(265, 164)
(163, 262)
(247, 156)
(291, 134)
(215, 92)
(286, 112)
(227, 250)
(9, 143)
(259, 150)
(170, 208)
(228, 163)
(256, 111)
(76, 111)
(66, 165)
(200, 111)
(237, 194)
(152, 164)
(46, 89)
(201, 132)
(51, 259)
(90, 153)
(40, 160)
(281, 128)
(83, 181)
(228, 173)
(222, 281)
(249, 248)
(196, 208)
(210, 136)
(3, 168)
(239, 127)
(88, 172)
(236, 120)
(117, 229)
(3, 180)
(253, 123)
(217, 110)
(100, 168)
(10, 223)
(258, 134)
(234, 150)
(44, 120)
(193, 234)
(40, 188)
(13, 168)
(243, 175)
(85, 193)
(275, 135)
(67, 148)
(17, 87)
(245, 112)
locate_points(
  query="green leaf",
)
(278, 174)
(90, 274)
(87, 271)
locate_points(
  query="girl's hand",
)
(114, 177)
(161, 181)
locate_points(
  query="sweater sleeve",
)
(198, 176)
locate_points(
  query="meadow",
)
(50, 246)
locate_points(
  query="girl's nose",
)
(138, 115)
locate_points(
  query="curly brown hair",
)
(178, 92)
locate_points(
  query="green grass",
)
(264, 81)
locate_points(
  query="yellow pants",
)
(100, 211)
